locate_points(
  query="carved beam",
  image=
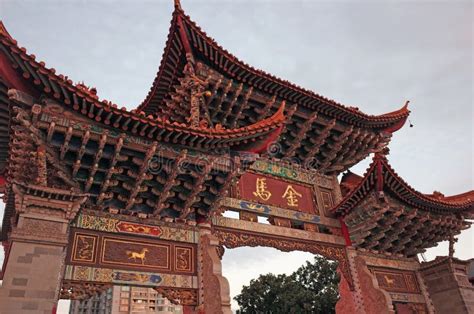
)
(319, 141)
(232, 103)
(179, 296)
(263, 112)
(81, 291)
(165, 193)
(243, 105)
(220, 100)
(105, 185)
(336, 148)
(80, 153)
(196, 189)
(300, 135)
(95, 163)
(53, 158)
(141, 176)
(234, 239)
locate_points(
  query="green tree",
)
(312, 288)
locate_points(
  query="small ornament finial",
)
(452, 241)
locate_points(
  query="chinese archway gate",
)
(97, 195)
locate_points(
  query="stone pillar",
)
(374, 299)
(33, 271)
(366, 296)
(214, 291)
(448, 285)
(347, 302)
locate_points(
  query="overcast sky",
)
(361, 53)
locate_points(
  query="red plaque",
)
(269, 190)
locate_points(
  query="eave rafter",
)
(299, 135)
(355, 152)
(146, 179)
(168, 183)
(386, 226)
(84, 100)
(40, 140)
(244, 104)
(198, 186)
(140, 177)
(335, 148)
(319, 141)
(95, 163)
(384, 213)
(242, 94)
(103, 194)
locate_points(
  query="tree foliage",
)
(312, 288)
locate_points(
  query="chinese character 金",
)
(291, 196)
(261, 189)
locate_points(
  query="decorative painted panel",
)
(327, 198)
(291, 173)
(272, 191)
(183, 259)
(130, 253)
(117, 276)
(135, 253)
(396, 281)
(130, 227)
(114, 225)
(84, 248)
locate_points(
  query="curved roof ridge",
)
(421, 195)
(455, 198)
(78, 87)
(466, 196)
(166, 50)
(375, 176)
(3, 30)
(79, 90)
(399, 115)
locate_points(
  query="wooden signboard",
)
(113, 251)
(278, 192)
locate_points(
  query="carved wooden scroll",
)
(234, 239)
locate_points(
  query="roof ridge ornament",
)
(3, 31)
(192, 90)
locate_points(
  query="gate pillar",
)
(38, 238)
(366, 297)
(214, 291)
(383, 283)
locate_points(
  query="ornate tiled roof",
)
(380, 176)
(126, 161)
(215, 55)
(384, 213)
(36, 79)
(319, 133)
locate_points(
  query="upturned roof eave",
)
(389, 122)
(378, 182)
(260, 128)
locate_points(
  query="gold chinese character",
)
(261, 189)
(291, 196)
